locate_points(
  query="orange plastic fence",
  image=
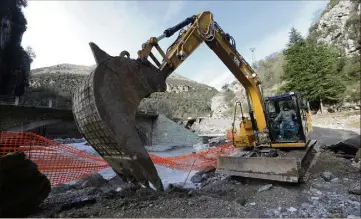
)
(195, 161)
(60, 163)
(63, 163)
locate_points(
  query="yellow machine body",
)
(104, 106)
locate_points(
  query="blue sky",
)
(63, 36)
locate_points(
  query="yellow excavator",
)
(104, 108)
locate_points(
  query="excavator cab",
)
(286, 118)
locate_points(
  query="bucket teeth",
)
(99, 55)
(104, 108)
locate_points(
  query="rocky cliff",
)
(183, 98)
(340, 25)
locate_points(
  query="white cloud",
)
(59, 31)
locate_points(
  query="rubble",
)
(196, 178)
(350, 146)
(230, 197)
(355, 189)
(264, 188)
(327, 176)
(78, 202)
(330, 192)
(95, 180)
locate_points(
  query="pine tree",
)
(295, 37)
(312, 69)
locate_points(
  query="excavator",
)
(105, 105)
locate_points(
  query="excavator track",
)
(104, 109)
(289, 166)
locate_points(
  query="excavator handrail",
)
(202, 28)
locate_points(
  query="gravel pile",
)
(324, 200)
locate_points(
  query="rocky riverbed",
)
(333, 190)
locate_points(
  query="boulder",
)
(327, 176)
(22, 186)
(350, 146)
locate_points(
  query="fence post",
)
(50, 103)
(16, 100)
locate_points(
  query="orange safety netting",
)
(63, 163)
(204, 160)
(59, 162)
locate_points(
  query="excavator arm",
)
(202, 28)
(105, 105)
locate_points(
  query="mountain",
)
(338, 25)
(183, 98)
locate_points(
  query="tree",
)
(295, 37)
(270, 69)
(313, 69)
(14, 60)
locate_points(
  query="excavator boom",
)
(104, 106)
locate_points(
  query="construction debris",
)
(355, 189)
(350, 146)
(264, 188)
(327, 176)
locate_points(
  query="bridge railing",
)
(24, 101)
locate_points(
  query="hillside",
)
(183, 98)
(339, 26)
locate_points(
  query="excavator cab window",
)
(284, 118)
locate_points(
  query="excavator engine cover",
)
(104, 109)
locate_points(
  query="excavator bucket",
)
(289, 167)
(104, 109)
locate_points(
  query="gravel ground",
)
(333, 190)
(326, 194)
(341, 120)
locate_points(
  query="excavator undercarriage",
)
(104, 108)
(270, 164)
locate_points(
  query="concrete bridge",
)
(25, 118)
(54, 122)
(22, 114)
